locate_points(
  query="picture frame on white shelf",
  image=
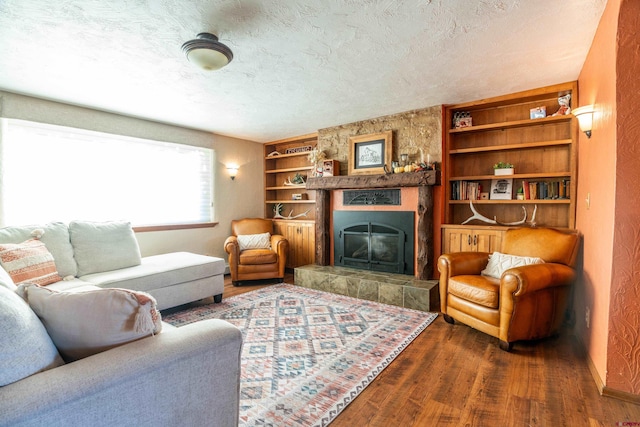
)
(501, 189)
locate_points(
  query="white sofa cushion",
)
(499, 263)
(82, 323)
(160, 271)
(103, 246)
(25, 347)
(55, 238)
(5, 280)
(29, 261)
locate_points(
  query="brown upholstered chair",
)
(525, 303)
(259, 263)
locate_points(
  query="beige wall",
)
(607, 292)
(242, 197)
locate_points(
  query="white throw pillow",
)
(499, 263)
(103, 246)
(25, 347)
(89, 322)
(254, 241)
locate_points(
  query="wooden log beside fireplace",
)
(423, 180)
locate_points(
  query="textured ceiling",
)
(298, 66)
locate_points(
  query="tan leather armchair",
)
(255, 264)
(527, 302)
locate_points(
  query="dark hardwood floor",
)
(452, 375)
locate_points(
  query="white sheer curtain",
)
(54, 173)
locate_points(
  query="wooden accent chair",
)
(526, 302)
(255, 263)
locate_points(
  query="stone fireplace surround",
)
(415, 292)
(424, 181)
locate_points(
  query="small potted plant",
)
(503, 168)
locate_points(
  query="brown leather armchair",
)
(255, 264)
(527, 302)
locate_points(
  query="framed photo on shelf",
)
(368, 154)
(501, 189)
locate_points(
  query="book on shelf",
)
(526, 189)
(465, 190)
(501, 189)
(546, 190)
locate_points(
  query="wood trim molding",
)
(603, 389)
(144, 229)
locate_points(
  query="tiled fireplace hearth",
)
(406, 290)
(395, 289)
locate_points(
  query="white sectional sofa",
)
(53, 373)
(107, 255)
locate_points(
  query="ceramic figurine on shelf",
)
(565, 102)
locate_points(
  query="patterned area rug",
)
(307, 354)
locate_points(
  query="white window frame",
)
(56, 173)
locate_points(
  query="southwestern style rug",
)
(307, 354)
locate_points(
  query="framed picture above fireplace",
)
(368, 154)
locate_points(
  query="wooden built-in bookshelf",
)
(542, 150)
(278, 169)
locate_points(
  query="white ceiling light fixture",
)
(207, 52)
(584, 115)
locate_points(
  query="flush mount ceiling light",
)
(207, 52)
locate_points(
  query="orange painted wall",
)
(609, 285)
(596, 85)
(623, 354)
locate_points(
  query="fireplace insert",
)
(374, 240)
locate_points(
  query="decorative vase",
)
(505, 171)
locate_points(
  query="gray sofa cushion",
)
(160, 271)
(6, 281)
(89, 322)
(103, 246)
(25, 346)
(55, 238)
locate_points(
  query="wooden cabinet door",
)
(301, 237)
(487, 240)
(301, 244)
(295, 241)
(308, 247)
(457, 240)
(462, 239)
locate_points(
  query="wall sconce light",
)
(585, 118)
(233, 171)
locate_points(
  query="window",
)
(54, 173)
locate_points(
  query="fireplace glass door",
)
(373, 247)
(374, 240)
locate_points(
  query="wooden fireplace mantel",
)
(424, 180)
(409, 179)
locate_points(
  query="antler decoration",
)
(278, 207)
(480, 217)
(298, 180)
